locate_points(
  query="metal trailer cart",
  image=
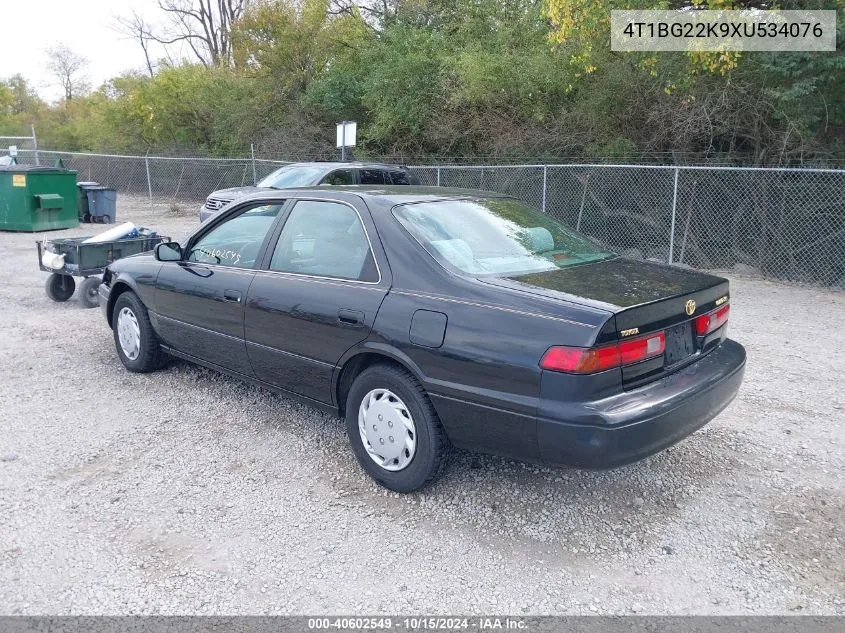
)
(87, 261)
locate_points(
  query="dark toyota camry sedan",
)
(431, 318)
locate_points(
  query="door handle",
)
(232, 295)
(350, 317)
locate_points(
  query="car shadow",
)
(494, 498)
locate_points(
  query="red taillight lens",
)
(712, 321)
(580, 360)
(590, 360)
(641, 348)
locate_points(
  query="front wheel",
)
(134, 338)
(89, 292)
(60, 287)
(394, 429)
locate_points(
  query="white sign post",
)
(346, 133)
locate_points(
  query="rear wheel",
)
(134, 338)
(394, 429)
(60, 287)
(89, 293)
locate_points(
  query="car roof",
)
(386, 195)
(341, 164)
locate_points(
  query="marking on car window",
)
(221, 255)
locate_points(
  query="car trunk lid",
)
(644, 297)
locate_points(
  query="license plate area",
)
(680, 344)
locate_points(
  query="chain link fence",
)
(781, 223)
(777, 222)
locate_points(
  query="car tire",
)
(89, 293)
(135, 340)
(60, 287)
(397, 394)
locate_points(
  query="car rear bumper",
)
(638, 423)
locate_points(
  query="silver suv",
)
(311, 174)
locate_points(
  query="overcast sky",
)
(28, 27)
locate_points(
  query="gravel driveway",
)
(187, 492)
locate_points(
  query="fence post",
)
(438, 175)
(35, 145)
(149, 182)
(545, 174)
(583, 200)
(252, 152)
(674, 210)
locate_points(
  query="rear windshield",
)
(293, 176)
(499, 236)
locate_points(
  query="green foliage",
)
(808, 87)
(529, 79)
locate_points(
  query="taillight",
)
(580, 360)
(712, 321)
(590, 360)
(635, 350)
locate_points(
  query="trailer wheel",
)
(89, 293)
(60, 287)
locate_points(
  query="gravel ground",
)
(187, 492)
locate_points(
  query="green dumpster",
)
(36, 198)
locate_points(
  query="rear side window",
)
(373, 177)
(324, 239)
(495, 236)
(400, 178)
(339, 177)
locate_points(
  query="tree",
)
(289, 43)
(69, 70)
(527, 80)
(583, 27)
(136, 27)
(18, 96)
(204, 25)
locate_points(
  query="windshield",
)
(500, 236)
(293, 176)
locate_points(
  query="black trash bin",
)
(82, 199)
(102, 204)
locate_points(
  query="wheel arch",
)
(358, 359)
(118, 287)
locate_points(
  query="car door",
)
(200, 300)
(316, 297)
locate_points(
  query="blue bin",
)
(82, 199)
(102, 204)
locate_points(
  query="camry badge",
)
(690, 307)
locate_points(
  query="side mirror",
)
(168, 252)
